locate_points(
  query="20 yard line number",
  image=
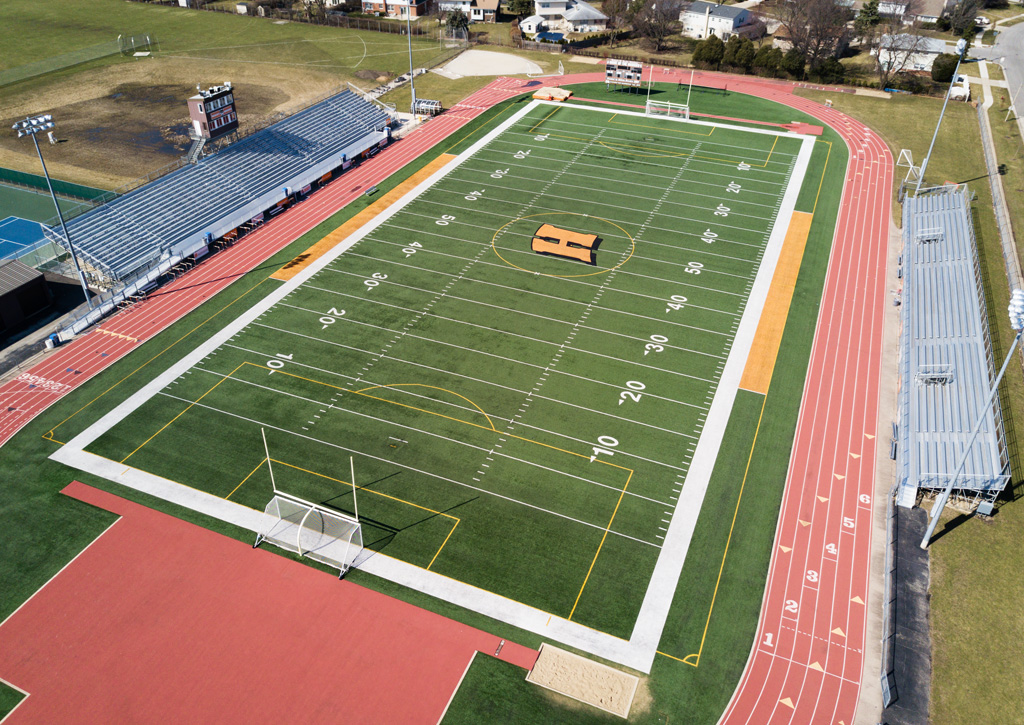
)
(633, 391)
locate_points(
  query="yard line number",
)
(633, 393)
(656, 344)
(330, 318)
(608, 442)
(374, 280)
(275, 364)
(675, 302)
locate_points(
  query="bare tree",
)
(817, 28)
(619, 14)
(656, 20)
(895, 45)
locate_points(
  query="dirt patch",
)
(122, 122)
(379, 76)
(582, 679)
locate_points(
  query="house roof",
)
(533, 19)
(486, 4)
(905, 41)
(13, 274)
(583, 11)
(930, 8)
(716, 11)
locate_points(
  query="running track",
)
(807, 661)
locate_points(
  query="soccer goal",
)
(668, 109)
(308, 529)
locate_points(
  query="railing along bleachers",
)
(131, 231)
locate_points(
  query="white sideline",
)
(639, 651)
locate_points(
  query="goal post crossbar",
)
(311, 530)
(667, 109)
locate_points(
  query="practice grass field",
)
(520, 422)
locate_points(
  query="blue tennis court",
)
(18, 235)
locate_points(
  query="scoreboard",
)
(623, 73)
(213, 112)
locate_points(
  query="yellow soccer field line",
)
(358, 221)
(258, 467)
(728, 540)
(822, 181)
(667, 130)
(537, 125)
(757, 373)
(187, 409)
(604, 536)
(362, 391)
(456, 519)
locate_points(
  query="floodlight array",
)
(34, 125)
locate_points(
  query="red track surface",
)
(161, 621)
(805, 671)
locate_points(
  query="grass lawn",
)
(1010, 156)
(974, 565)
(716, 639)
(124, 117)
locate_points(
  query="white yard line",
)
(639, 651)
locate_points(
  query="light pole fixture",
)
(30, 127)
(1016, 310)
(961, 49)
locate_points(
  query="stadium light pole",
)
(30, 127)
(961, 48)
(1016, 310)
(412, 72)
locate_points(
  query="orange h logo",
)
(564, 243)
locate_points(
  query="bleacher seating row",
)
(129, 232)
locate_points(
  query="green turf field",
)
(521, 422)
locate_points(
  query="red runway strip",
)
(162, 621)
(60, 372)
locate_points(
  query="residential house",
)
(703, 19)
(582, 17)
(478, 11)
(393, 8)
(892, 48)
(532, 25)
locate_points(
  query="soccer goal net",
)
(666, 108)
(328, 536)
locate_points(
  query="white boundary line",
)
(459, 686)
(639, 651)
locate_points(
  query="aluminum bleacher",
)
(946, 363)
(171, 218)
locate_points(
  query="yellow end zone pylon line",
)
(489, 427)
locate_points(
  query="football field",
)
(530, 359)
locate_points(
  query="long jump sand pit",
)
(489, 63)
(585, 680)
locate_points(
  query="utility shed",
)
(946, 364)
(23, 293)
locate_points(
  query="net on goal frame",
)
(667, 109)
(308, 529)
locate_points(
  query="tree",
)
(655, 21)
(767, 60)
(710, 51)
(519, 8)
(817, 28)
(961, 17)
(944, 67)
(745, 53)
(455, 19)
(793, 63)
(731, 45)
(895, 44)
(866, 23)
(619, 13)
(830, 71)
